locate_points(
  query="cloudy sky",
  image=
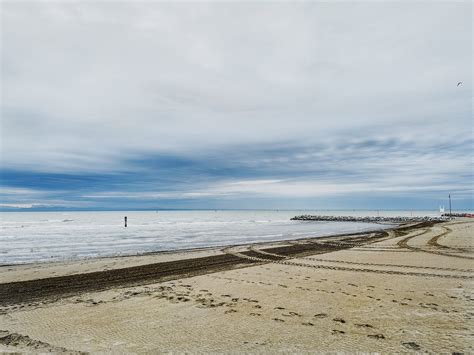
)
(124, 105)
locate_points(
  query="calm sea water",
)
(42, 236)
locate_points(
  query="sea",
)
(30, 237)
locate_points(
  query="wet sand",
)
(408, 289)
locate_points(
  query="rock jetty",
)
(465, 215)
(368, 219)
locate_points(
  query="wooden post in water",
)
(449, 205)
(125, 220)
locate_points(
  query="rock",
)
(368, 219)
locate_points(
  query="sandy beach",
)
(236, 177)
(401, 290)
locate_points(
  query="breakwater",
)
(465, 215)
(368, 219)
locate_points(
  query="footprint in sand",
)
(376, 336)
(278, 320)
(255, 314)
(279, 308)
(320, 315)
(335, 331)
(340, 320)
(294, 314)
(94, 303)
(230, 311)
(308, 323)
(365, 325)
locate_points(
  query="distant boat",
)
(441, 209)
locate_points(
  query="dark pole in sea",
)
(450, 205)
(125, 219)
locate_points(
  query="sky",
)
(236, 105)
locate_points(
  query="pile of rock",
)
(468, 215)
(370, 219)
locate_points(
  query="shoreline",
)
(405, 289)
(140, 270)
(194, 249)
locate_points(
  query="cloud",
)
(201, 101)
(376, 169)
(16, 205)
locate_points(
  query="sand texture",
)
(406, 290)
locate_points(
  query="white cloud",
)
(289, 100)
(17, 205)
(85, 85)
(18, 191)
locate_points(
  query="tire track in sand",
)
(404, 244)
(433, 242)
(391, 265)
(343, 268)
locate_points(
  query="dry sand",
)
(409, 291)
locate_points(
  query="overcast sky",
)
(147, 104)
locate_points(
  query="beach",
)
(396, 290)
